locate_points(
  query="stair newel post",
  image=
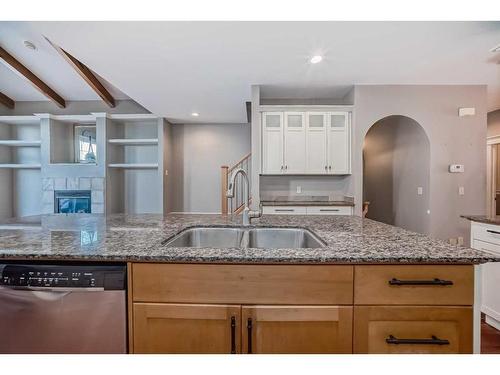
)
(223, 179)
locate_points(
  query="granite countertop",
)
(495, 220)
(92, 237)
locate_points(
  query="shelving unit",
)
(134, 155)
(20, 166)
(134, 142)
(135, 166)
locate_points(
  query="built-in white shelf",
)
(20, 120)
(134, 166)
(134, 142)
(20, 166)
(19, 143)
(133, 117)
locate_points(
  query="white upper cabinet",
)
(295, 143)
(272, 143)
(339, 143)
(316, 143)
(306, 143)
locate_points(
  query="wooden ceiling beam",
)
(6, 101)
(32, 78)
(87, 75)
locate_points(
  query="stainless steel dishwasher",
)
(63, 308)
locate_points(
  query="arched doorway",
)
(396, 173)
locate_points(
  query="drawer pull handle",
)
(233, 335)
(249, 334)
(432, 341)
(284, 210)
(395, 281)
(492, 231)
(329, 209)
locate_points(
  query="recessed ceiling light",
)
(495, 49)
(29, 45)
(195, 114)
(316, 59)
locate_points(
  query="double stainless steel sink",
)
(243, 237)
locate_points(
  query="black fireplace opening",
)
(72, 201)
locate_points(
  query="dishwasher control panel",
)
(63, 276)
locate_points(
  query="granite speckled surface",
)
(349, 239)
(495, 220)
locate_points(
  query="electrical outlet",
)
(420, 190)
(453, 241)
(460, 241)
(461, 190)
(299, 189)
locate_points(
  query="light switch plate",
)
(299, 189)
(420, 190)
(461, 190)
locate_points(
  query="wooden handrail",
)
(240, 161)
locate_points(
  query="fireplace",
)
(72, 201)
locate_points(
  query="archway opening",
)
(396, 173)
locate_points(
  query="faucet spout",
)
(247, 214)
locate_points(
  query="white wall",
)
(199, 152)
(396, 157)
(453, 140)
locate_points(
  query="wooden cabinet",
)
(339, 143)
(224, 308)
(297, 329)
(272, 142)
(174, 328)
(294, 143)
(412, 329)
(316, 143)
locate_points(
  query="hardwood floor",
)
(490, 338)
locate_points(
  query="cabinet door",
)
(316, 143)
(339, 143)
(178, 328)
(295, 143)
(272, 143)
(296, 329)
(412, 329)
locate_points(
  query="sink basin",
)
(265, 237)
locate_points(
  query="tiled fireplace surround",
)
(94, 184)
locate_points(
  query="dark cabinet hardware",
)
(432, 341)
(329, 210)
(249, 334)
(492, 231)
(284, 210)
(233, 335)
(440, 282)
(330, 167)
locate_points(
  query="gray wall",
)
(72, 108)
(453, 140)
(199, 152)
(494, 123)
(396, 158)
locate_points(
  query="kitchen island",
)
(371, 287)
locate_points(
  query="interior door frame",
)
(491, 173)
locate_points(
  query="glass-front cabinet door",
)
(272, 143)
(295, 143)
(339, 143)
(316, 143)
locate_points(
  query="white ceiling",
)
(46, 63)
(175, 68)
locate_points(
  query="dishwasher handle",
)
(52, 289)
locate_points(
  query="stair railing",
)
(236, 204)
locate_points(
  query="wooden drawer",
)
(485, 232)
(413, 285)
(284, 210)
(250, 284)
(398, 329)
(329, 210)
